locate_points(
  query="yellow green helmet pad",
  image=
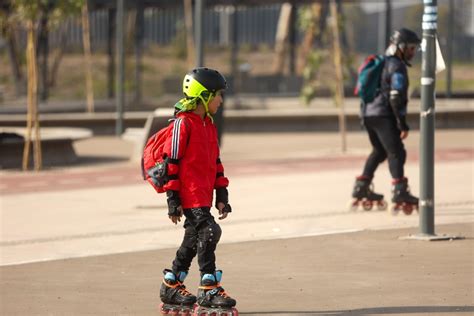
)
(192, 88)
(200, 84)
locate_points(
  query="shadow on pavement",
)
(375, 311)
(80, 161)
(92, 160)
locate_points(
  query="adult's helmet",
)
(201, 80)
(400, 40)
(403, 37)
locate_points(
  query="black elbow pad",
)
(395, 101)
(396, 104)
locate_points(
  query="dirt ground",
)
(363, 273)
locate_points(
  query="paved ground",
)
(290, 247)
(365, 273)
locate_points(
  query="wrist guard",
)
(222, 195)
(173, 203)
(402, 124)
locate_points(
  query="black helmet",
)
(403, 37)
(203, 79)
(400, 40)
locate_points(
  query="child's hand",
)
(223, 211)
(177, 217)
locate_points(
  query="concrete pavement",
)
(282, 186)
(364, 273)
(300, 189)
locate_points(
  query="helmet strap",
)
(402, 52)
(399, 51)
(205, 103)
(189, 104)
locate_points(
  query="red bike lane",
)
(18, 182)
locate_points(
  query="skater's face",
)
(215, 103)
(410, 51)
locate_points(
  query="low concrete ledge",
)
(101, 123)
(247, 120)
(56, 145)
(324, 120)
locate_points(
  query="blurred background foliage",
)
(165, 51)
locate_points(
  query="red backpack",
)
(154, 161)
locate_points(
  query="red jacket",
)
(193, 144)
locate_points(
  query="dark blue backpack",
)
(369, 78)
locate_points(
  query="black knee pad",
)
(188, 247)
(381, 157)
(378, 155)
(210, 233)
(187, 252)
(399, 154)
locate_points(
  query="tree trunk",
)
(32, 116)
(130, 18)
(13, 54)
(57, 57)
(234, 49)
(42, 54)
(388, 21)
(292, 41)
(322, 23)
(339, 93)
(139, 32)
(87, 58)
(282, 34)
(111, 53)
(188, 22)
(309, 35)
(345, 44)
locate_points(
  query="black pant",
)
(201, 236)
(384, 135)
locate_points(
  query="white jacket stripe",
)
(175, 140)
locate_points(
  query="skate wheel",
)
(199, 312)
(353, 205)
(235, 312)
(367, 205)
(382, 205)
(407, 209)
(163, 311)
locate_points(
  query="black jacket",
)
(394, 78)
